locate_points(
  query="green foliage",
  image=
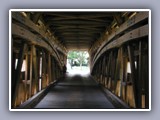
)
(73, 55)
(78, 57)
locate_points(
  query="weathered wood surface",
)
(124, 27)
(31, 72)
(34, 39)
(130, 36)
(133, 71)
(35, 82)
(75, 92)
(18, 73)
(139, 80)
(32, 26)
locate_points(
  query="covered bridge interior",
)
(115, 40)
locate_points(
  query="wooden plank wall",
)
(130, 86)
(31, 81)
(121, 64)
(43, 59)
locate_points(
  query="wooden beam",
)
(125, 60)
(18, 73)
(102, 65)
(104, 69)
(124, 27)
(53, 18)
(55, 63)
(80, 15)
(26, 74)
(28, 36)
(31, 72)
(49, 68)
(97, 24)
(130, 36)
(109, 68)
(117, 69)
(32, 26)
(137, 19)
(78, 31)
(83, 27)
(13, 82)
(118, 19)
(113, 69)
(133, 72)
(139, 82)
(39, 69)
(146, 76)
(36, 17)
(122, 70)
(43, 70)
(100, 69)
(53, 69)
(35, 82)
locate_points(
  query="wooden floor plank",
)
(75, 91)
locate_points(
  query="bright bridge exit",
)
(78, 62)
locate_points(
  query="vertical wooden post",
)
(53, 69)
(26, 75)
(97, 74)
(109, 70)
(104, 70)
(117, 70)
(133, 75)
(43, 70)
(100, 69)
(18, 73)
(121, 70)
(39, 69)
(35, 82)
(113, 63)
(124, 74)
(58, 71)
(13, 82)
(31, 71)
(146, 77)
(49, 67)
(94, 72)
(97, 71)
(139, 83)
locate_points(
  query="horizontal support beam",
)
(80, 14)
(63, 22)
(76, 30)
(33, 39)
(123, 28)
(75, 18)
(77, 41)
(32, 26)
(130, 36)
(89, 27)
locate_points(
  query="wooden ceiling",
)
(78, 30)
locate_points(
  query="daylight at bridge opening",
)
(78, 62)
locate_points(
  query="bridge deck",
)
(75, 92)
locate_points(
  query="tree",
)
(81, 56)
